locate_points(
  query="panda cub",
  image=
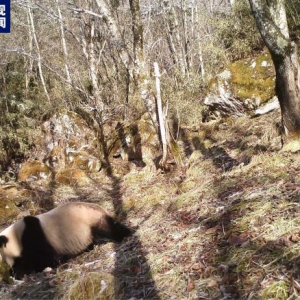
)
(36, 242)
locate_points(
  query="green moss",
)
(277, 290)
(250, 79)
(186, 186)
(10, 196)
(4, 273)
(175, 149)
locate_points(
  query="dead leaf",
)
(212, 283)
(191, 285)
(135, 269)
(213, 230)
(209, 271)
(238, 240)
(295, 237)
(183, 247)
(197, 266)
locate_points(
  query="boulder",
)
(73, 177)
(241, 88)
(33, 170)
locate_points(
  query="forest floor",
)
(226, 225)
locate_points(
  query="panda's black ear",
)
(3, 240)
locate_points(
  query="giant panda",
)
(36, 242)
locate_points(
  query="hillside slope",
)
(224, 226)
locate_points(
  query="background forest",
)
(221, 221)
(100, 54)
(88, 53)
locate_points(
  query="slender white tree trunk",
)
(161, 118)
(29, 60)
(141, 74)
(31, 18)
(202, 67)
(186, 44)
(63, 43)
(198, 37)
(107, 16)
(93, 66)
(175, 41)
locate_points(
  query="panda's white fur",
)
(14, 247)
(33, 243)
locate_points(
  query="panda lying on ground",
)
(34, 243)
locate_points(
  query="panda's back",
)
(69, 227)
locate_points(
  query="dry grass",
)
(227, 228)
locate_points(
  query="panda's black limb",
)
(3, 240)
(37, 253)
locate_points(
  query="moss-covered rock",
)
(72, 176)
(253, 79)
(242, 87)
(33, 170)
(5, 273)
(66, 132)
(14, 200)
(84, 161)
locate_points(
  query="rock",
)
(67, 135)
(291, 146)
(13, 198)
(33, 170)
(83, 160)
(222, 99)
(73, 177)
(241, 88)
(270, 106)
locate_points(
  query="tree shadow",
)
(192, 142)
(133, 278)
(220, 158)
(241, 258)
(131, 146)
(42, 197)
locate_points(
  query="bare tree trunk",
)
(197, 36)
(186, 56)
(139, 71)
(63, 43)
(271, 20)
(161, 118)
(141, 74)
(107, 16)
(28, 60)
(87, 41)
(93, 67)
(30, 13)
(170, 35)
(174, 39)
(202, 67)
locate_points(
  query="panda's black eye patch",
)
(3, 240)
